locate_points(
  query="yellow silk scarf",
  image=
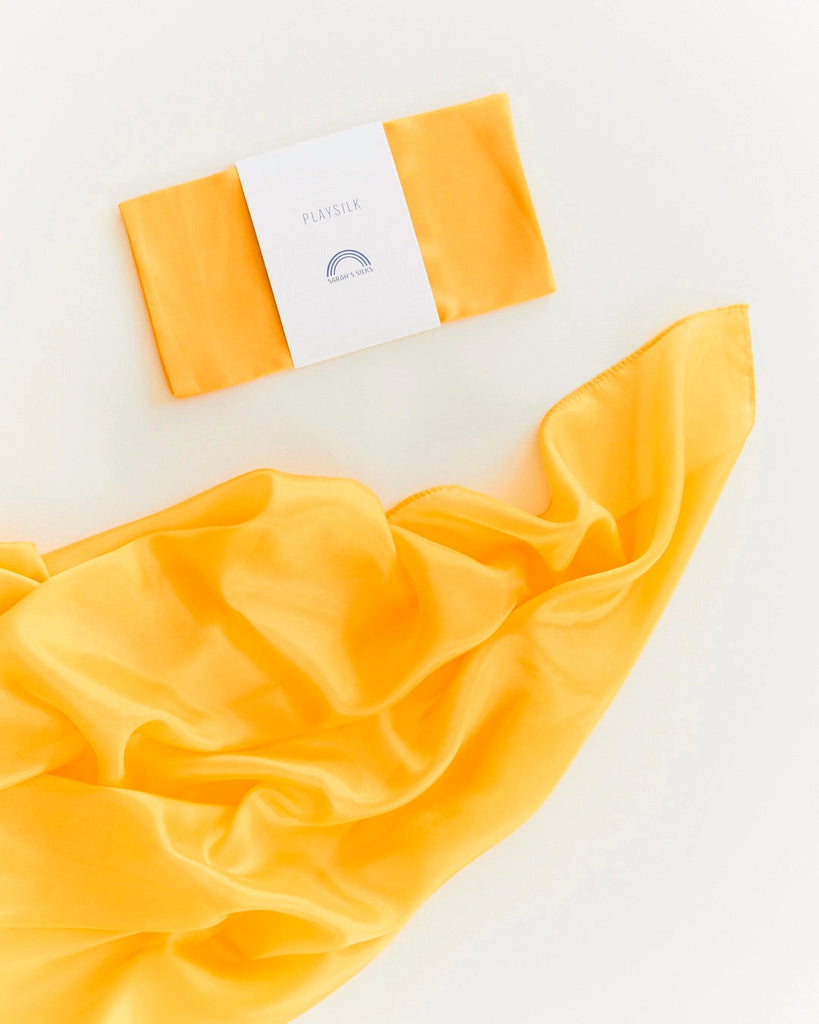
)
(211, 306)
(246, 737)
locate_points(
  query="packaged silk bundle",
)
(336, 244)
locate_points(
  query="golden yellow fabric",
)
(246, 737)
(212, 310)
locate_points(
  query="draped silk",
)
(212, 309)
(244, 738)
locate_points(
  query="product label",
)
(338, 243)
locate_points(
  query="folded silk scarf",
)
(211, 306)
(246, 737)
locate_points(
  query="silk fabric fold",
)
(246, 737)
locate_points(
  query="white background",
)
(672, 153)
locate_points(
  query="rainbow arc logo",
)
(346, 254)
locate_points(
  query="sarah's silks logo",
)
(362, 265)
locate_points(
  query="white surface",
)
(672, 154)
(287, 191)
